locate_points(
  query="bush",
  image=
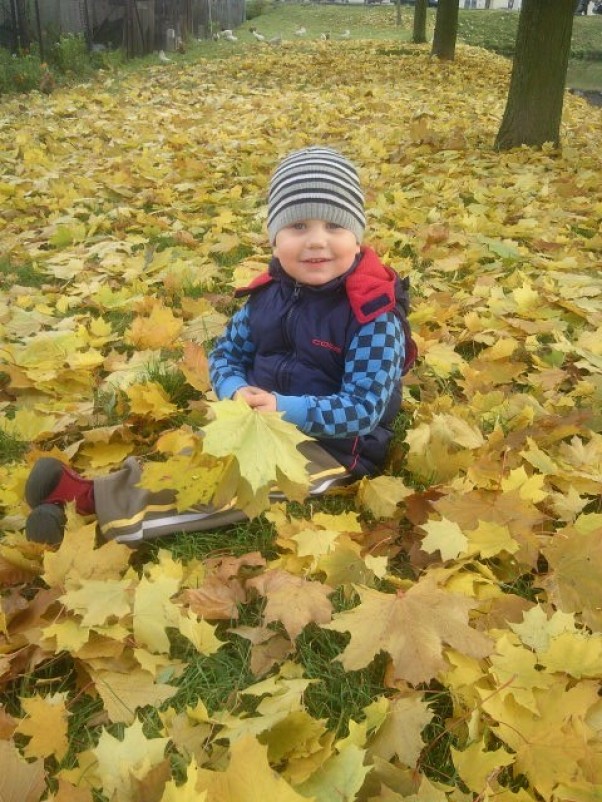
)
(70, 54)
(255, 8)
(19, 73)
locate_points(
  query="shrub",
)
(255, 8)
(19, 73)
(70, 54)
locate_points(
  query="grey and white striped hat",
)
(316, 184)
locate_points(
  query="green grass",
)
(26, 275)
(11, 449)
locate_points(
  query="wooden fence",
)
(140, 26)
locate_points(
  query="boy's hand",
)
(257, 398)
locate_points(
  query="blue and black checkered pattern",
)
(232, 356)
(372, 372)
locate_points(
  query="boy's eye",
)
(333, 226)
(298, 226)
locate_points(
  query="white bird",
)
(275, 40)
(301, 31)
(227, 32)
(163, 57)
(230, 37)
(346, 34)
(259, 36)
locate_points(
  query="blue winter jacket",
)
(333, 355)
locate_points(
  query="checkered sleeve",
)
(373, 369)
(232, 356)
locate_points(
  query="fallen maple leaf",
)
(20, 781)
(293, 601)
(248, 778)
(46, 724)
(411, 627)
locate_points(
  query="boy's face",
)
(314, 252)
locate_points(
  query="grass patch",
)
(26, 275)
(11, 448)
(255, 535)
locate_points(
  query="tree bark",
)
(536, 94)
(419, 31)
(446, 30)
(22, 19)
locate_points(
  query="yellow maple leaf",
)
(382, 495)
(77, 559)
(445, 536)
(20, 780)
(490, 539)
(185, 792)
(123, 693)
(97, 600)
(46, 724)
(342, 775)
(345, 565)
(200, 633)
(195, 367)
(154, 611)
(150, 400)
(515, 670)
(247, 759)
(265, 448)
(442, 358)
(158, 330)
(292, 600)
(194, 478)
(118, 761)
(536, 629)
(400, 732)
(411, 627)
(28, 425)
(576, 653)
(476, 764)
(529, 488)
(103, 455)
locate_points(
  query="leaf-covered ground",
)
(460, 595)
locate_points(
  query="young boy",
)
(322, 338)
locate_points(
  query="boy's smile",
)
(314, 252)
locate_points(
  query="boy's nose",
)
(316, 236)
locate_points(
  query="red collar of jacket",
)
(370, 286)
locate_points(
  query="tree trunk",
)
(22, 17)
(446, 30)
(419, 32)
(534, 105)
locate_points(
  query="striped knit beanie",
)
(316, 184)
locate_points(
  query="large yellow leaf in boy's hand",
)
(265, 448)
(248, 778)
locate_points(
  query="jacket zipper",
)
(283, 381)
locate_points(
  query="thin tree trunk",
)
(536, 95)
(446, 30)
(23, 34)
(419, 32)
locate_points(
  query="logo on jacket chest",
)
(326, 344)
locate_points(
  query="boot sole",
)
(44, 477)
(46, 524)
